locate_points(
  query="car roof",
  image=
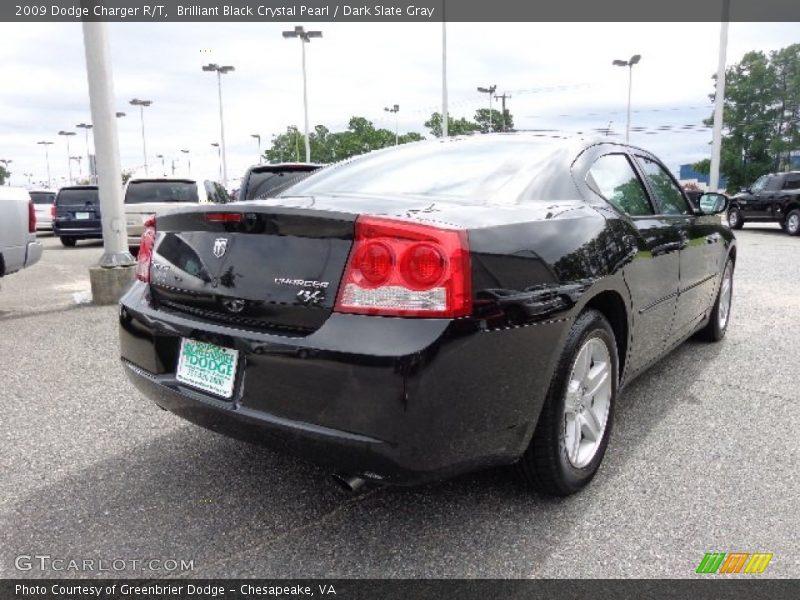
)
(78, 187)
(290, 166)
(157, 179)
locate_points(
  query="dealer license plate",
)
(207, 367)
(81, 215)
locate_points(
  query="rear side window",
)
(215, 192)
(613, 177)
(668, 194)
(77, 197)
(139, 192)
(42, 198)
(268, 183)
(792, 182)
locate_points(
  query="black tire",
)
(545, 465)
(792, 222)
(69, 242)
(735, 218)
(714, 330)
(134, 250)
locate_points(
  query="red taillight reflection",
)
(146, 244)
(224, 217)
(401, 268)
(31, 217)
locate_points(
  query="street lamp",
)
(628, 63)
(305, 38)
(120, 114)
(489, 90)
(219, 157)
(141, 104)
(395, 109)
(78, 160)
(67, 135)
(220, 71)
(258, 137)
(163, 168)
(47, 160)
(189, 159)
(86, 127)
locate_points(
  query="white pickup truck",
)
(19, 247)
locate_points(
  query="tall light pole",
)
(628, 63)
(77, 159)
(163, 168)
(219, 157)
(47, 160)
(395, 109)
(220, 71)
(188, 159)
(142, 104)
(67, 135)
(86, 127)
(489, 90)
(305, 38)
(445, 113)
(719, 101)
(258, 137)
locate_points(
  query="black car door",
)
(757, 204)
(652, 276)
(700, 246)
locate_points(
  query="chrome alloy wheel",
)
(793, 223)
(587, 402)
(725, 296)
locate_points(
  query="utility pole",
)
(489, 90)
(719, 100)
(115, 271)
(503, 97)
(47, 160)
(395, 109)
(305, 38)
(445, 113)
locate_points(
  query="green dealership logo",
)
(734, 562)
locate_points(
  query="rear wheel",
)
(721, 313)
(792, 226)
(573, 429)
(735, 219)
(69, 242)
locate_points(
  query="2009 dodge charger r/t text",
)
(431, 309)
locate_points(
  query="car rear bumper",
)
(33, 253)
(393, 400)
(77, 230)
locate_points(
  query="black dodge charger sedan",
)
(431, 309)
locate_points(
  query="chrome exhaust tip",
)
(349, 483)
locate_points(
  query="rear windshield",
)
(267, 183)
(161, 191)
(43, 197)
(76, 197)
(496, 169)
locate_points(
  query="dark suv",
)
(265, 181)
(772, 198)
(76, 214)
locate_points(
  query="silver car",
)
(43, 201)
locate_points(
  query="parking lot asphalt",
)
(703, 458)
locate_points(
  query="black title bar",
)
(397, 11)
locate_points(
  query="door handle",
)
(669, 247)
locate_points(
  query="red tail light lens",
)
(145, 256)
(31, 217)
(53, 211)
(399, 268)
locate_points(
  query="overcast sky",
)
(559, 76)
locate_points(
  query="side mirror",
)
(711, 203)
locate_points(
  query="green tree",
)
(762, 115)
(460, 126)
(703, 166)
(500, 121)
(4, 174)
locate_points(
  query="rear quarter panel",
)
(13, 229)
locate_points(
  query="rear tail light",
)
(398, 268)
(53, 211)
(145, 257)
(31, 217)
